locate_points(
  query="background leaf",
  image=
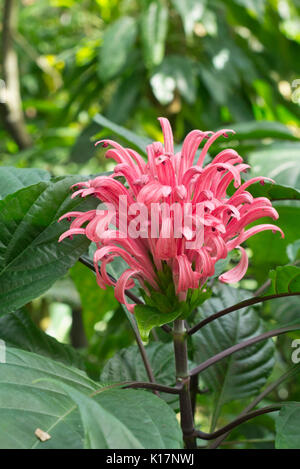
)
(175, 73)
(154, 26)
(135, 140)
(287, 427)
(190, 12)
(19, 331)
(118, 40)
(127, 365)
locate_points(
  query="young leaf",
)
(148, 317)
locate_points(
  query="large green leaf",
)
(154, 25)
(244, 372)
(133, 139)
(175, 73)
(18, 330)
(118, 40)
(102, 430)
(31, 258)
(30, 398)
(12, 179)
(287, 427)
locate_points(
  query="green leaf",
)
(255, 6)
(102, 430)
(83, 149)
(125, 98)
(269, 249)
(18, 330)
(263, 129)
(190, 11)
(279, 162)
(31, 259)
(274, 191)
(31, 398)
(245, 372)
(12, 179)
(285, 279)
(154, 26)
(293, 250)
(118, 40)
(127, 365)
(287, 427)
(148, 317)
(175, 72)
(130, 137)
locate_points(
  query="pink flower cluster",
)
(170, 178)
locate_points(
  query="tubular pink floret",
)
(171, 182)
(210, 141)
(70, 215)
(237, 273)
(70, 233)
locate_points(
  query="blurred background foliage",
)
(203, 64)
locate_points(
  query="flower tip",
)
(104, 143)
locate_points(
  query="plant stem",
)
(182, 377)
(242, 304)
(235, 348)
(235, 423)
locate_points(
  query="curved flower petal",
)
(122, 285)
(71, 233)
(168, 134)
(238, 272)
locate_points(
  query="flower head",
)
(179, 187)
